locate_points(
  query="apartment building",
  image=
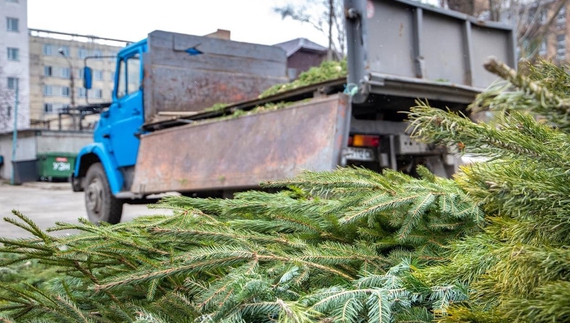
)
(14, 65)
(543, 27)
(553, 46)
(56, 76)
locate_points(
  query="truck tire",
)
(100, 203)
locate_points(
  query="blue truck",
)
(159, 133)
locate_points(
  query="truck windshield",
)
(129, 76)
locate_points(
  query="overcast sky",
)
(248, 20)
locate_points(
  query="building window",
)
(12, 83)
(561, 18)
(82, 53)
(48, 71)
(65, 50)
(80, 73)
(13, 54)
(98, 75)
(65, 91)
(561, 47)
(97, 53)
(64, 72)
(82, 92)
(48, 90)
(48, 108)
(98, 93)
(12, 24)
(48, 49)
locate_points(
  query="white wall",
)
(25, 150)
(62, 142)
(21, 68)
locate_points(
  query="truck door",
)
(127, 111)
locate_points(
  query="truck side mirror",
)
(87, 77)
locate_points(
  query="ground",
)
(46, 203)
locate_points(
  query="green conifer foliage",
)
(351, 245)
(335, 246)
(517, 269)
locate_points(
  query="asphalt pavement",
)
(46, 203)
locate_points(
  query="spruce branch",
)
(542, 91)
(543, 95)
(517, 136)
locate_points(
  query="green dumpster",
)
(55, 165)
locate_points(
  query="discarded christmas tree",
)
(346, 246)
(294, 254)
(517, 268)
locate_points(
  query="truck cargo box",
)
(417, 44)
(192, 73)
(245, 151)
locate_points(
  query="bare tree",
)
(465, 6)
(533, 20)
(495, 9)
(490, 9)
(325, 16)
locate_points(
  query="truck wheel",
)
(101, 205)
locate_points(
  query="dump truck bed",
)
(409, 40)
(241, 152)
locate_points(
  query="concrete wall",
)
(62, 142)
(25, 150)
(30, 143)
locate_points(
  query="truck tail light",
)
(364, 141)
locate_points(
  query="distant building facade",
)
(542, 25)
(302, 54)
(553, 46)
(14, 64)
(470, 7)
(56, 61)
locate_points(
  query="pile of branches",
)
(489, 245)
(295, 256)
(328, 70)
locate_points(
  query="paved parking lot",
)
(47, 203)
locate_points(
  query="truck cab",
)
(115, 139)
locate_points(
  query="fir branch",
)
(28, 225)
(517, 136)
(542, 94)
(540, 89)
(215, 234)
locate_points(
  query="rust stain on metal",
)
(226, 72)
(242, 152)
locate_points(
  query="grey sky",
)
(249, 20)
